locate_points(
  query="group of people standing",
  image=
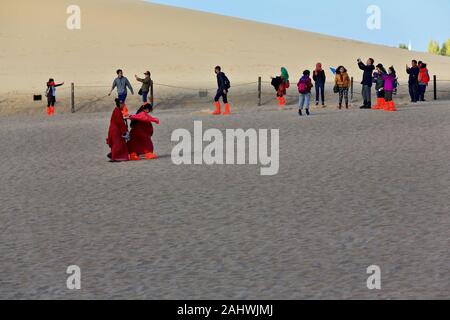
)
(386, 83)
(419, 78)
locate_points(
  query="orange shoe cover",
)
(390, 107)
(150, 156)
(227, 110)
(134, 157)
(217, 112)
(380, 103)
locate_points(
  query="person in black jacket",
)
(367, 82)
(413, 82)
(223, 85)
(319, 78)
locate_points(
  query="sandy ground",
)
(355, 188)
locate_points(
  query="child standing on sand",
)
(342, 83)
(389, 86)
(304, 86)
(281, 83)
(379, 86)
(50, 93)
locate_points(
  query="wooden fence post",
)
(72, 97)
(435, 87)
(351, 90)
(259, 91)
(152, 97)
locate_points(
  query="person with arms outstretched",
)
(122, 84)
(50, 93)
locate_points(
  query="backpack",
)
(302, 86)
(226, 82)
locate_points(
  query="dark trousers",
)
(343, 95)
(367, 95)
(422, 90)
(320, 91)
(388, 95)
(221, 93)
(414, 91)
(51, 101)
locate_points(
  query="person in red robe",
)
(118, 135)
(141, 133)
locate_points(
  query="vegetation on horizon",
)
(435, 48)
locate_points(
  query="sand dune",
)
(179, 46)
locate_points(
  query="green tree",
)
(403, 46)
(445, 49)
(433, 47)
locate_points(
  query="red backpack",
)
(302, 86)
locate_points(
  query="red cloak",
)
(117, 128)
(141, 134)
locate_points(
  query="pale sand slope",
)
(354, 189)
(179, 46)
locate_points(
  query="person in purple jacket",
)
(389, 85)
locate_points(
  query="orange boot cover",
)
(390, 106)
(217, 112)
(150, 156)
(134, 157)
(227, 109)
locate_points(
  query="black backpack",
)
(226, 82)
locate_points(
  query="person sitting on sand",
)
(50, 93)
(320, 79)
(118, 135)
(141, 133)
(342, 83)
(146, 83)
(122, 84)
(281, 83)
(223, 85)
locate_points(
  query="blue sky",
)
(402, 21)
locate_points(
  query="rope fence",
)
(95, 97)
